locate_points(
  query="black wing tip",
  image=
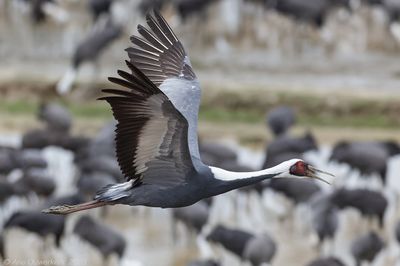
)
(140, 81)
(140, 75)
(120, 72)
(113, 79)
(153, 12)
(119, 81)
(153, 15)
(105, 98)
(111, 90)
(130, 65)
(132, 38)
(140, 27)
(156, 13)
(149, 15)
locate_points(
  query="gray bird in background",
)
(366, 247)
(56, 117)
(260, 249)
(280, 120)
(368, 157)
(328, 261)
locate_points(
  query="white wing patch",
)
(115, 192)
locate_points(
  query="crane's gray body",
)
(201, 184)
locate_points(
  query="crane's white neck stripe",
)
(281, 170)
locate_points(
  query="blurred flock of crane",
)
(355, 221)
(287, 27)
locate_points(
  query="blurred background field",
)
(248, 58)
(335, 63)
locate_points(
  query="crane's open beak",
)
(313, 172)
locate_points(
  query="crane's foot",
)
(63, 209)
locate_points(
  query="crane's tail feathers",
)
(67, 209)
(114, 192)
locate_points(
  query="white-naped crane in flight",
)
(156, 135)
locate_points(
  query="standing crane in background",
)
(156, 135)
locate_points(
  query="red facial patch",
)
(298, 169)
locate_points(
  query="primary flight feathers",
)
(159, 54)
(151, 135)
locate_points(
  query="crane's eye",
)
(298, 169)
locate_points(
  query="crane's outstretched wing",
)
(151, 135)
(161, 57)
(159, 54)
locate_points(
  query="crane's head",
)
(300, 169)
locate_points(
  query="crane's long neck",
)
(228, 180)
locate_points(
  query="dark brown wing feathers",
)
(159, 54)
(132, 110)
(151, 134)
